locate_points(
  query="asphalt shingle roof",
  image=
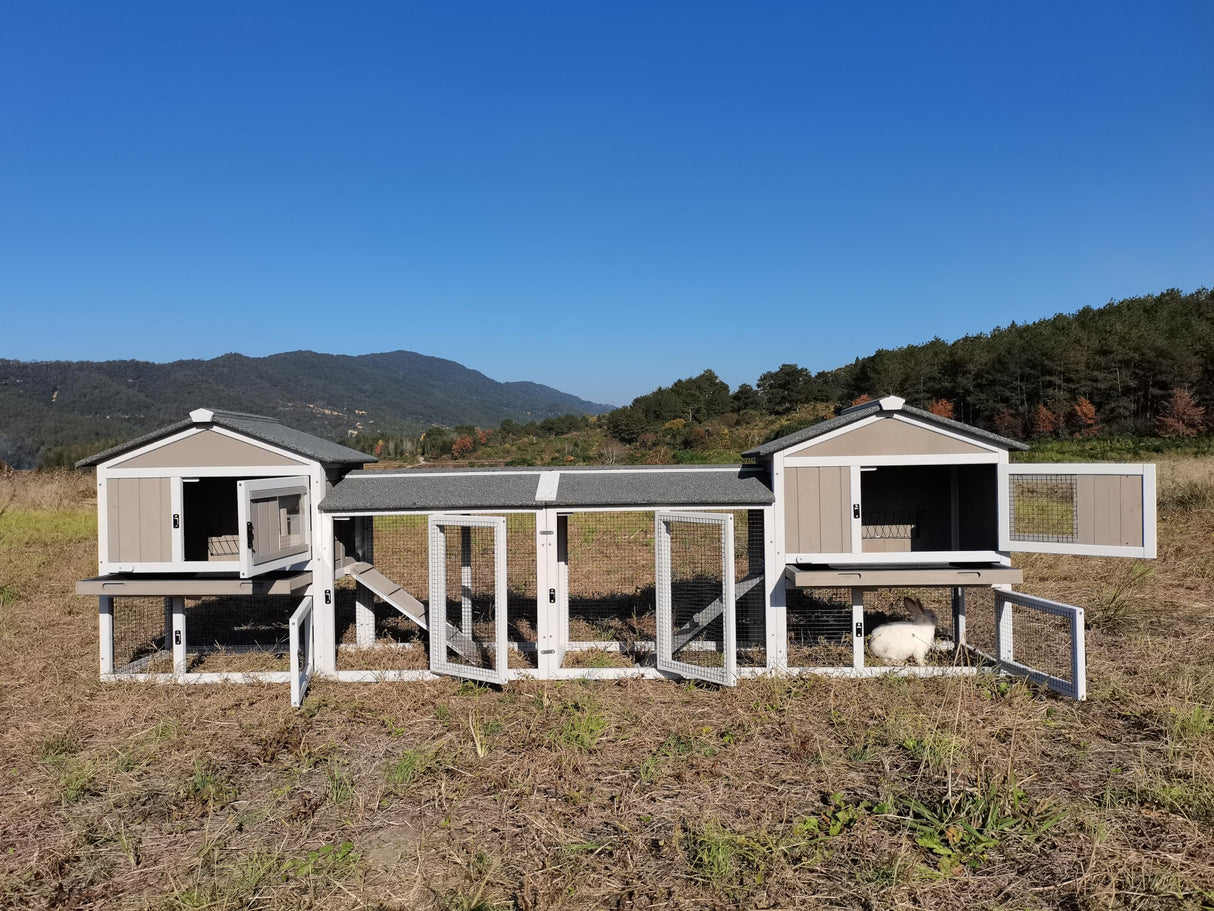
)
(254, 426)
(868, 409)
(517, 488)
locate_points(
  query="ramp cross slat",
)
(701, 621)
(375, 581)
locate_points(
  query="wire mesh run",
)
(819, 627)
(142, 629)
(887, 606)
(608, 563)
(239, 634)
(464, 599)
(1044, 507)
(1033, 637)
(694, 629)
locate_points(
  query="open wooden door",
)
(1104, 510)
(467, 610)
(275, 524)
(696, 635)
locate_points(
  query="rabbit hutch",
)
(232, 547)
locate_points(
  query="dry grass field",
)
(782, 793)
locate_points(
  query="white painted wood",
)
(879, 461)
(545, 490)
(209, 471)
(105, 629)
(177, 535)
(324, 607)
(857, 628)
(925, 557)
(549, 641)
(179, 643)
(856, 511)
(251, 563)
(189, 566)
(1146, 472)
(302, 651)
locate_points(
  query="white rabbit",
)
(903, 640)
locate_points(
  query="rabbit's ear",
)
(913, 606)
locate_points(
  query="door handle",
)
(249, 535)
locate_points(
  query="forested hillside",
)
(60, 409)
(1142, 366)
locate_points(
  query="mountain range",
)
(85, 405)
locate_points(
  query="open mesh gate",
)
(468, 597)
(1031, 637)
(303, 658)
(696, 632)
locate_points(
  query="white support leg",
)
(105, 624)
(857, 628)
(547, 613)
(324, 611)
(1004, 646)
(178, 645)
(776, 596)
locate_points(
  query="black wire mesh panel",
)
(819, 627)
(1044, 507)
(140, 640)
(468, 597)
(239, 633)
(521, 591)
(886, 606)
(609, 564)
(401, 548)
(695, 592)
(1038, 636)
(398, 643)
(750, 587)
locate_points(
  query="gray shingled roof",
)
(517, 488)
(254, 426)
(868, 409)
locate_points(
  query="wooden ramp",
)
(698, 623)
(374, 581)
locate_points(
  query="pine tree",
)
(1181, 417)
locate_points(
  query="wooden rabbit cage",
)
(232, 547)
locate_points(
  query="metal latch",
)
(177, 520)
(855, 510)
(328, 596)
(177, 637)
(249, 534)
(860, 630)
(552, 596)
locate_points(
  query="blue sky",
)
(604, 197)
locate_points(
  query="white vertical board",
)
(682, 616)
(265, 544)
(474, 656)
(303, 660)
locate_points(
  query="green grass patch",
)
(26, 527)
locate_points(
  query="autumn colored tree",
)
(1085, 418)
(861, 399)
(463, 447)
(379, 449)
(941, 408)
(1045, 422)
(1181, 417)
(1007, 424)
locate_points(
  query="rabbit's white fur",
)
(903, 640)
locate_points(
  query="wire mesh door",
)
(695, 596)
(1035, 638)
(303, 660)
(468, 596)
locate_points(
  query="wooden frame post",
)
(105, 625)
(857, 628)
(180, 659)
(1004, 644)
